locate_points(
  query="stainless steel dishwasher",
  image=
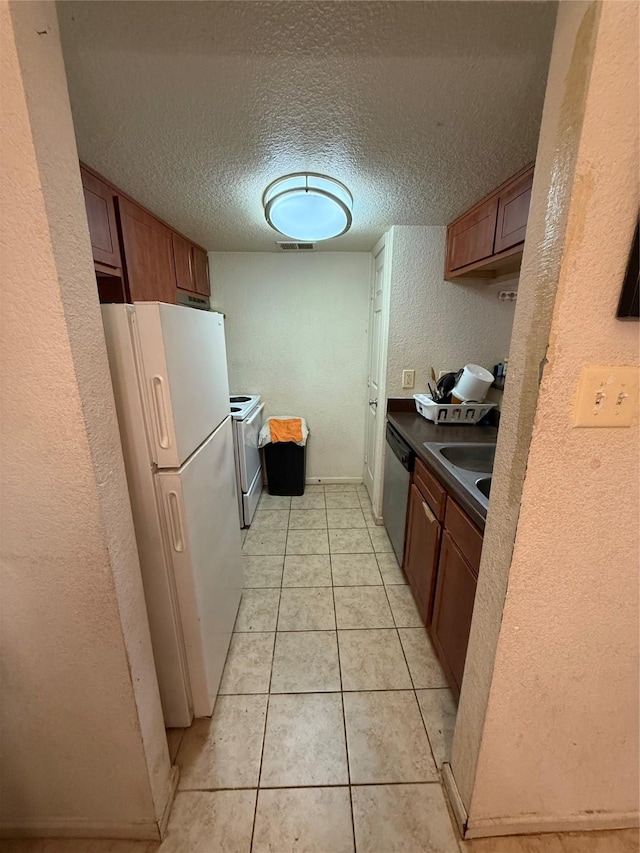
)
(398, 465)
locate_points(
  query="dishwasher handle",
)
(400, 448)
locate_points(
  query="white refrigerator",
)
(169, 372)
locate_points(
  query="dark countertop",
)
(416, 430)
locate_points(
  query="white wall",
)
(296, 333)
(547, 733)
(436, 322)
(83, 746)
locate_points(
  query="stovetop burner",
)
(236, 409)
(239, 400)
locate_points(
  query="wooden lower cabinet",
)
(452, 611)
(421, 555)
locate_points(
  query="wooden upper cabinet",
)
(183, 260)
(513, 212)
(200, 266)
(470, 238)
(147, 259)
(192, 266)
(148, 252)
(487, 240)
(101, 216)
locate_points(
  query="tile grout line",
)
(415, 694)
(303, 787)
(344, 716)
(266, 716)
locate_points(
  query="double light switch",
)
(607, 397)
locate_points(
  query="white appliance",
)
(246, 411)
(169, 371)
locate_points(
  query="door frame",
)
(385, 244)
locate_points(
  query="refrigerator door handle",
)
(160, 409)
(175, 521)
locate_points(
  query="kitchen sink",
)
(471, 457)
(469, 463)
(484, 485)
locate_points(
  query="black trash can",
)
(285, 462)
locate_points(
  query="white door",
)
(184, 366)
(375, 383)
(201, 524)
(248, 452)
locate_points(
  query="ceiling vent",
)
(295, 247)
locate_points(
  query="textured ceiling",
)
(193, 108)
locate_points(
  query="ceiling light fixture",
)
(308, 207)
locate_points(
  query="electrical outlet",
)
(607, 397)
(408, 378)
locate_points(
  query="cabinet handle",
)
(430, 516)
(190, 267)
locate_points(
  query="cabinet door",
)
(148, 253)
(101, 216)
(423, 542)
(183, 260)
(470, 239)
(513, 212)
(201, 271)
(452, 611)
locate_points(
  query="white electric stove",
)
(246, 412)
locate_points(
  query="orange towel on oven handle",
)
(285, 429)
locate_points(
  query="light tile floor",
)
(333, 717)
(326, 704)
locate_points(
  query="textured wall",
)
(296, 333)
(559, 742)
(435, 322)
(83, 747)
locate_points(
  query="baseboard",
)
(572, 823)
(338, 481)
(455, 800)
(492, 827)
(79, 828)
(164, 820)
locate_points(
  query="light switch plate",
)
(408, 378)
(607, 397)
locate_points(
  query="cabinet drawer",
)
(464, 533)
(431, 489)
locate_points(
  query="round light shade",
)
(308, 207)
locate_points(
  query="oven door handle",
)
(251, 419)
